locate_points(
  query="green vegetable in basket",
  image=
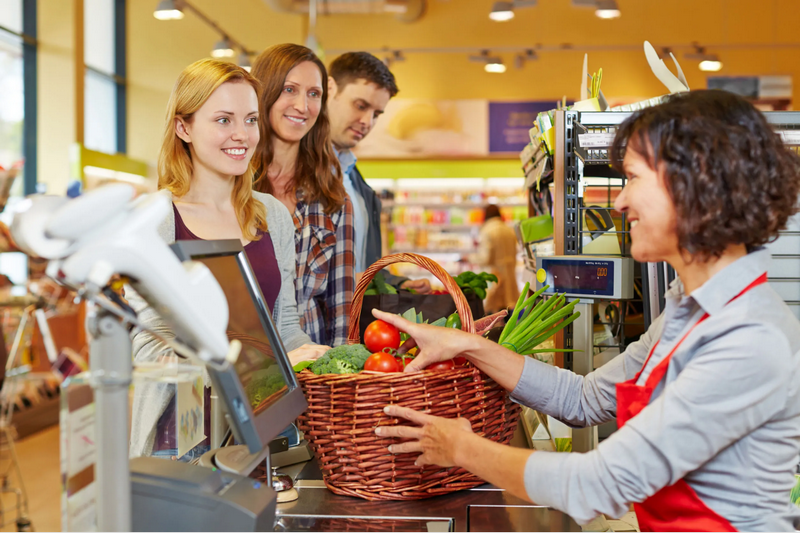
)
(302, 365)
(263, 384)
(378, 285)
(346, 359)
(453, 321)
(470, 282)
(532, 323)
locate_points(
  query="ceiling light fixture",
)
(495, 67)
(604, 9)
(223, 49)
(607, 9)
(168, 10)
(708, 62)
(503, 10)
(520, 59)
(492, 64)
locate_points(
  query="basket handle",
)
(450, 285)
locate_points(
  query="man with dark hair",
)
(359, 88)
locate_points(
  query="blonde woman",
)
(204, 168)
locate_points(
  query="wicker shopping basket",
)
(344, 410)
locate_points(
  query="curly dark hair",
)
(728, 173)
(353, 66)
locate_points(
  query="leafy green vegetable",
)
(532, 323)
(378, 285)
(302, 365)
(263, 384)
(345, 359)
(470, 282)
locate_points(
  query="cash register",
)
(261, 397)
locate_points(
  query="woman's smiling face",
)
(295, 112)
(223, 133)
(650, 211)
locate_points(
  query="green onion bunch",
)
(538, 322)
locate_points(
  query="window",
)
(104, 84)
(18, 90)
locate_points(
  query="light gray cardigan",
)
(151, 399)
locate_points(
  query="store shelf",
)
(391, 203)
(421, 251)
(455, 227)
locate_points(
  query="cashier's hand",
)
(434, 343)
(307, 352)
(422, 286)
(436, 438)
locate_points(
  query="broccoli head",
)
(346, 359)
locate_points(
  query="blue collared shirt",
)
(725, 418)
(347, 160)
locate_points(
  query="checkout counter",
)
(483, 508)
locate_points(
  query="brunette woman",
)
(295, 162)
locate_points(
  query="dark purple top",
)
(261, 254)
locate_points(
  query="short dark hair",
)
(730, 176)
(353, 66)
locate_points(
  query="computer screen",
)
(261, 392)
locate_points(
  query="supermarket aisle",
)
(39, 461)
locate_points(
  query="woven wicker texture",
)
(344, 410)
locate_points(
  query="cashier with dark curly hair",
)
(708, 400)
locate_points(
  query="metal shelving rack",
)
(572, 163)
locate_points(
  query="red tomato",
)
(382, 362)
(460, 361)
(380, 335)
(442, 365)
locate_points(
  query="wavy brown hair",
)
(317, 166)
(730, 176)
(194, 86)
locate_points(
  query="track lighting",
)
(708, 62)
(503, 10)
(607, 9)
(168, 10)
(223, 49)
(492, 64)
(520, 59)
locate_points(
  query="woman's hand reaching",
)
(434, 343)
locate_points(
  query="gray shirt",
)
(726, 418)
(150, 400)
(347, 160)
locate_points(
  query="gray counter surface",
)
(483, 508)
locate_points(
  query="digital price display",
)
(588, 277)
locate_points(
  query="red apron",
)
(676, 507)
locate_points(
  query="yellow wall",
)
(159, 50)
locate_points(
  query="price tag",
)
(596, 140)
(790, 137)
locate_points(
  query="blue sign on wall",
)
(509, 123)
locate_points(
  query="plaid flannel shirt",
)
(325, 270)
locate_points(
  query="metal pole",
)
(111, 371)
(218, 426)
(584, 439)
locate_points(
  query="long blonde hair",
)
(194, 86)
